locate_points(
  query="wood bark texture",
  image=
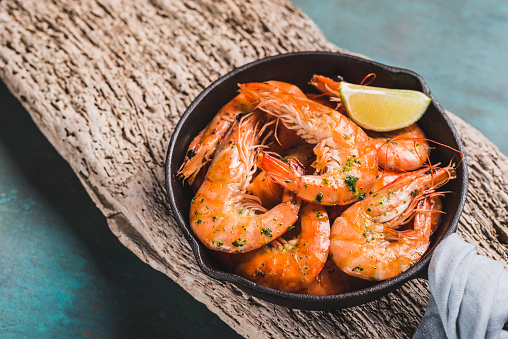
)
(107, 80)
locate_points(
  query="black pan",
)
(297, 68)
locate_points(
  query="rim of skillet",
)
(418, 270)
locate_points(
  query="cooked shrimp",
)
(290, 265)
(222, 216)
(405, 149)
(331, 280)
(285, 87)
(346, 159)
(283, 138)
(402, 150)
(203, 146)
(364, 243)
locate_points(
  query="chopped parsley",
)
(239, 242)
(351, 185)
(266, 231)
(350, 163)
(260, 274)
(351, 182)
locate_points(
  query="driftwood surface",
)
(107, 80)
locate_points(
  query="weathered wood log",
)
(106, 82)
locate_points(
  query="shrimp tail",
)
(278, 170)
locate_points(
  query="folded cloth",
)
(469, 294)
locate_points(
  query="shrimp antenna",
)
(276, 135)
(449, 147)
(314, 95)
(367, 83)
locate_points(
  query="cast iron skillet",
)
(297, 68)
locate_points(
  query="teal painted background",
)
(64, 275)
(460, 48)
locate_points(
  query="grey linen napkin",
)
(469, 294)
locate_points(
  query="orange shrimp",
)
(435, 205)
(364, 242)
(203, 146)
(405, 149)
(285, 87)
(292, 265)
(331, 280)
(384, 178)
(266, 190)
(283, 138)
(346, 159)
(402, 150)
(222, 216)
(387, 177)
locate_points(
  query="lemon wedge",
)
(382, 109)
